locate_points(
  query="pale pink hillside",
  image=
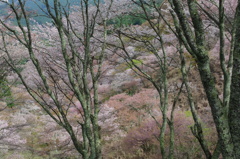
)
(130, 111)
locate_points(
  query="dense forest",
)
(119, 79)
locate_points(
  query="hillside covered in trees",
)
(127, 79)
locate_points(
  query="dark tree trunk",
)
(234, 108)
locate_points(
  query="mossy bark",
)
(234, 107)
(197, 129)
(218, 113)
(195, 40)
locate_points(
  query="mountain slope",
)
(36, 8)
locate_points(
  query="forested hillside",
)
(127, 79)
(37, 8)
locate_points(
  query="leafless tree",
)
(66, 67)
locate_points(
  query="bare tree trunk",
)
(197, 129)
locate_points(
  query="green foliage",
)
(147, 37)
(21, 64)
(132, 91)
(5, 93)
(23, 61)
(125, 20)
(134, 62)
(124, 66)
(132, 19)
(126, 39)
(46, 42)
(188, 113)
(142, 49)
(137, 62)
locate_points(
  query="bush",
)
(131, 88)
(125, 20)
(143, 139)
